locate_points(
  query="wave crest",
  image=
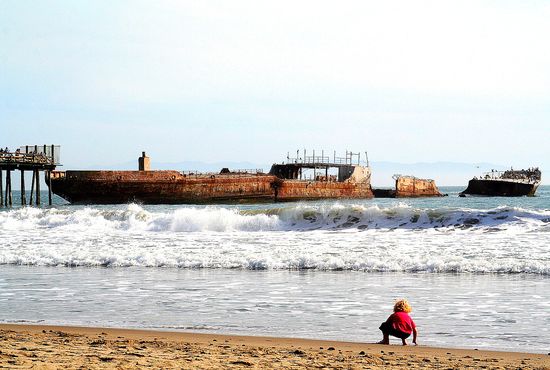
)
(299, 217)
(371, 264)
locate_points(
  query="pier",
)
(35, 158)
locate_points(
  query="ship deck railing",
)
(320, 161)
(398, 176)
(248, 171)
(518, 180)
(512, 175)
(235, 173)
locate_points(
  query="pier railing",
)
(34, 158)
(17, 158)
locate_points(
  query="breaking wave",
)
(435, 265)
(324, 236)
(301, 217)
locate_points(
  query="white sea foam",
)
(301, 217)
(328, 236)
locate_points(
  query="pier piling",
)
(27, 158)
(23, 197)
(37, 187)
(6, 191)
(49, 174)
(32, 187)
(9, 200)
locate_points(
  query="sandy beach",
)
(52, 347)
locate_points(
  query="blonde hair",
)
(402, 305)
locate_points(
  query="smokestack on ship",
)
(144, 162)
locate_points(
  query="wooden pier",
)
(35, 158)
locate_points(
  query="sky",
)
(213, 81)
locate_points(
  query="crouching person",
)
(399, 324)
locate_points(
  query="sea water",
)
(476, 270)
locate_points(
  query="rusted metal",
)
(144, 162)
(412, 187)
(293, 190)
(159, 187)
(284, 182)
(409, 187)
(510, 183)
(167, 187)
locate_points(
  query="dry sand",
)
(54, 347)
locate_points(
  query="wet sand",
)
(53, 347)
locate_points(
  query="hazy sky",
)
(409, 81)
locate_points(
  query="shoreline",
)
(71, 347)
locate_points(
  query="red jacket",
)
(401, 321)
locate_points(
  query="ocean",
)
(476, 270)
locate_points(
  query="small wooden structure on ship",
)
(35, 158)
(320, 164)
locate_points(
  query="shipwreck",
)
(510, 183)
(409, 187)
(304, 177)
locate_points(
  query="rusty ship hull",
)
(409, 187)
(509, 183)
(502, 188)
(173, 187)
(307, 178)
